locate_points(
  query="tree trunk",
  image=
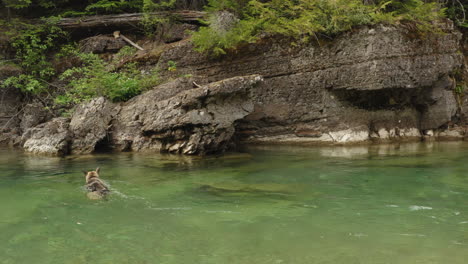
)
(134, 19)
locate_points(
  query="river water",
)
(380, 204)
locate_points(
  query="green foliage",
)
(98, 78)
(457, 10)
(302, 20)
(460, 88)
(172, 66)
(235, 6)
(217, 42)
(124, 53)
(26, 82)
(151, 20)
(62, 7)
(417, 11)
(114, 6)
(32, 45)
(48, 4)
(17, 4)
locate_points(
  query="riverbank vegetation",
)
(228, 24)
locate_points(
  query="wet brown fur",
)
(95, 185)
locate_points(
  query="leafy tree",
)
(32, 45)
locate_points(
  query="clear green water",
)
(383, 204)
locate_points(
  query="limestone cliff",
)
(372, 84)
(379, 82)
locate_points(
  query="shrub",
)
(457, 10)
(303, 19)
(98, 78)
(32, 45)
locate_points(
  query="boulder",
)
(33, 115)
(193, 121)
(51, 138)
(373, 74)
(101, 44)
(176, 32)
(89, 124)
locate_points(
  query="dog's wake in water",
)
(97, 189)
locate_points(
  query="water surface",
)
(379, 204)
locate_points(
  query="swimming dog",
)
(96, 187)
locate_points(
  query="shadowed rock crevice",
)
(103, 146)
(390, 99)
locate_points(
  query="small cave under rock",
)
(382, 99)
(103, 146)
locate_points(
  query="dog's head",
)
(91, 174)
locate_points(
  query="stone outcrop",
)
(32, 115)
(170, 33)
(372, 84)
(440, 104)
(195, 121)
(101, 44)
(52, 138)
(175, 117)
(10, 108)
(89, 125)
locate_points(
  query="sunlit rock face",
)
(188, 120)
(373, 84)
(89, 125)
(51, 138)
(380, 83)
(196, 120)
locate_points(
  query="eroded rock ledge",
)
(174, 117)
(380, 83)
(374, 84)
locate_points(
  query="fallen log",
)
(188, 16)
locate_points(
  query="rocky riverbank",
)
(373, 84)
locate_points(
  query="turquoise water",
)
(380, 204)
